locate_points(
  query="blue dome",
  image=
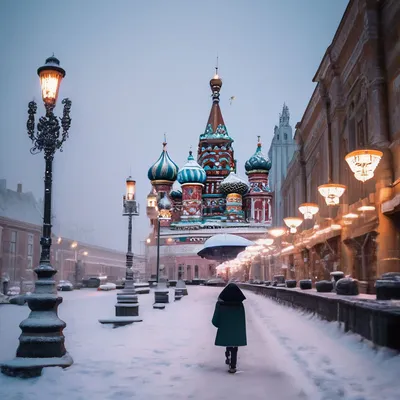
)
(191, 172)
(176, 191)
(164, 169)
(258, 161)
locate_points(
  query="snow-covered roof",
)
(20, 207)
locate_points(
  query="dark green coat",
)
(230, 320)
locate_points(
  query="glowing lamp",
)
(164, 215)
(350, 216)
(51, 75)
(332, 193)
(130, 189)
(277, 232)
(366, 208)
(265, 242)
(308, 210)
(293, 223)
(363, 163)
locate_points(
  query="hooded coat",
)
(229, 317)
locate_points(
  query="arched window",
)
(277, 137)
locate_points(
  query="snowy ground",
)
(170, 355)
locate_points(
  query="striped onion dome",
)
(191, 172)
(258, 162)
(233, 184)
(164, 169)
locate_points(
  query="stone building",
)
(20, 233)
(280, 153)
(355, 106)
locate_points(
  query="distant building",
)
(20, 233)
(280, 153)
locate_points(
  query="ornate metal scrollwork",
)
(47, 137)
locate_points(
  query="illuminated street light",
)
(42, 344)
(332, 193)
(308, 210)
(277, 232)
(363, 163)
(293, 223)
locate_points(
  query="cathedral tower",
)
(215, 155)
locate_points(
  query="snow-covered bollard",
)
(161, 293)
(305, 284)
(182, 285)
(178, 293)
(291, 283)
(324, 286)
(388, 287)
(347, 287)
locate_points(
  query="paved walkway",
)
(170, 355)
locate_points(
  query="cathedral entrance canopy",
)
(223, 247)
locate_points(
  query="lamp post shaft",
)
(128, 259)
(158, 248)
(45, 241)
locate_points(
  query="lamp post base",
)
(24, 367)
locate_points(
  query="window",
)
(277, 137)
(29, 264)
(13, 242)
(196, 271)
(285, 136)
(30, 244)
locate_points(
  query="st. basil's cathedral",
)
(205, 197)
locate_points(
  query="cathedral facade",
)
(204, 197)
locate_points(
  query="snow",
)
(171, 354)
(225, 239)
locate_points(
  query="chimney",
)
(19, 188)
(3, 184)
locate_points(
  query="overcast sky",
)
(137, 69)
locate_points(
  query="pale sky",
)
(137, 69)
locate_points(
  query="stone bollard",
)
(388, 287)
(305, 284)
(324, 286)
(178, 293)
(347, 287)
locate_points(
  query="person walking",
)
(230, 319)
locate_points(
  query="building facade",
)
(280, 152)
(20, 233)
(355, 106)
(205, 197)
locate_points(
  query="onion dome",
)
(258, 162)
(191, 172)
(164, 169)
(233, 184)
(176, 192)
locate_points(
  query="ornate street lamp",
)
(42, 341)
(127, 305)
(308, 210)
(332, 192)
(363, 163)
(293, 223)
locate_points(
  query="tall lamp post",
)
(161, 293)
(41, 343)
(131, 208)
